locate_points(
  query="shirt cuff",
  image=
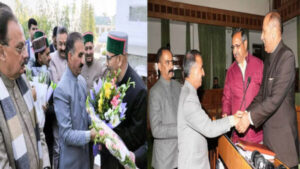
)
(231, 120)
(88, 136)
(249, 117)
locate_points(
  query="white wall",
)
(154, 35)
(194, 36)
(254, 38)
(178, 37)
(228, 39)
(289, 36)
(136, 30)
(257, 7)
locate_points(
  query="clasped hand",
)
(242, 121)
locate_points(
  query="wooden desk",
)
(232, 158)
(298, 120)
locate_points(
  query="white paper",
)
(41, 92)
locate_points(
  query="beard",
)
(89, 59)
(62, 53)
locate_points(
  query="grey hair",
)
(70, 44)
(189, 60)
(243, 33)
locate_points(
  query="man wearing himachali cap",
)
(41, 49)
(92, 70)
(133, 129)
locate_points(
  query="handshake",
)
(241, 121)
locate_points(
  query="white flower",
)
(108, 114)
(123, 154)
(115, 120)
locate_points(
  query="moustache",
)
(89, 56)
(80, 65)
(171, 71)
(62, 51)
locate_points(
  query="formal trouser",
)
(55, 146)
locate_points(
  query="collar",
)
(126, 76)
(70, 75)
(7, 82)
(164, 81)
(276, 50)
(189, 86)
(245, 64)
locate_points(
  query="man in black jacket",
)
(274, 106)
(133, 129)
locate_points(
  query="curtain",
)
(212, 41)
(218, 53)
(205, 33)
(188, 37)
(165, 32)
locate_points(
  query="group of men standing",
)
(70, 65)
(258, 99)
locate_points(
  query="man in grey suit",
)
(274, 106)
(163, 104)
(193, 123)
(69, 104)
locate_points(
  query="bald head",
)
(274, 21)
(271, 32)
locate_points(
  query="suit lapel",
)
(270, 65)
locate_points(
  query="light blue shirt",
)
(73, 121)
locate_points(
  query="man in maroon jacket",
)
(242, 84)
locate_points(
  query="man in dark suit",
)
(132, 130)
(274, 106)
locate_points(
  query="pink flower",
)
(115, 101)
(115, 147)
(113, 81)
(101, 132)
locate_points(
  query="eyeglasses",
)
(20, 48)
(110, 57)
(236, 46)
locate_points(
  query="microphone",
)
(248, 82)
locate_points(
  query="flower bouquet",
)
(40, 83)
(106, 109)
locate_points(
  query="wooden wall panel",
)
(205, 15)
(288, 9)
